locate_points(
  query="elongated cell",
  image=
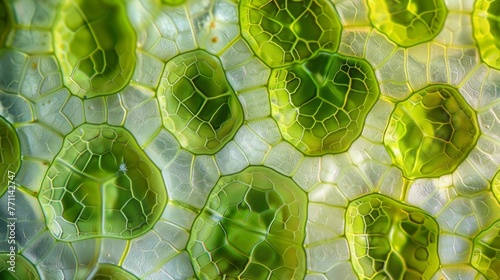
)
(495, 185)
(284, 32)
(389, 240)
(486, 29)
(112, 272)
(252, 227)
(408, 22)
(486, 252)
(432, 132)
(321, 104)
(16, 267)
(197, 103)
(10, 155)
(101, 184)
(95, 46)
(5, 22)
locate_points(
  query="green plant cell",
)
(283, 32)
(101, 184)
(197, 103)
(95, 45)
(112, 272)
(486, 252)
(321, 104)
(252, 227)
(495, 185)
(408, 22)
(23, 269)
(10, 155)
(5, 23)
(486, 30)
(432, 132)
(390, 240)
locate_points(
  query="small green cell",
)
(197, 103)
(101, 184)
(5, 23)
(284, 32)
(16, 267)
(95, 45)
(431, 132)
(252, 227)
(112, 272)
(408, 22)
(321, 104)
(10, 155)
(389, 240)
(486, 30)
(486, 252)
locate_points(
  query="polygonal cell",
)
(95, 46)
(284, 32)
(112, 272)
(10, 154)
(431, 132)
(16, 267)
(101, 184)
(197, 103)
(252, 227)
(486, 29)
(5, 23)
(321, 104)
(486, 252)
(389, 240)
(408, 22)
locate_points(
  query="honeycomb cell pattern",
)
(283, 32)
(95, 46)
(24, 270)
(391, 240)
(431, 132)
(112, 272)
(321, 104)
(252, 227)
(101, 184)
(197, 103)
(10, 154)
(486, 23)
(486, 252)
(408, 22)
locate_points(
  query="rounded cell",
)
(408, 22)
(252, 227)
(284, 32)
(16, 267)
(321, 104)
(432, 132)
(10, 156)
(486, 252)
(5, 23)
(95, 45)
(390, 240)
(101, 184)
(486, 30)
(111, 272)
(197, 103)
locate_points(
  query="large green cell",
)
(101, 184)
(408, 22)
(197, 103)
(486, 29)
(95, 45)
(16, 268)
(10, 154)
(389, 240)
(283, 32)
(252, 227)
(321, 104)
(431, 132)
(486, 252)
(112, 272)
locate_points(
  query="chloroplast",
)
(283, 32)
(101, 184)
(252, 227)
(197, 103)
(388, 239)
(486, 27)
(24, 270)
(431, 132)
(95, 45)
(10, 157)
(321, 104)
(486, 252)
(112, 272)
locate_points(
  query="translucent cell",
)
(408, 22)
(252, 227)
(321, 104)
(284, 32)
(486, 28)
(197, 104)
(431, 132)
(16, 267)
(486, 252)
(95, 45)
(389, 239)
(101, 183)
(112, 272)
(10, 155)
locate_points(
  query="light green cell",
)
(23, 269)
(10, 154)
(390, 240)
(486, 252)
(5, 23)
(252, 227)
(321, 104)
(284, 32)
(495, 185)
(112, 272)
(101, 184)
(95, 45)
(486, 30)
(408, 22)
(197, 103)
(432, 132)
